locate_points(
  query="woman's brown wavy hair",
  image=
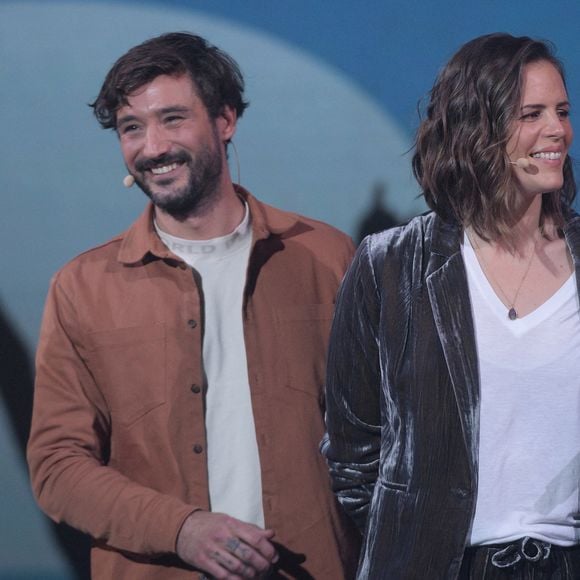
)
(460, 157)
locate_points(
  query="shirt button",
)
(195, 389)
(197, 448)
(192, 323)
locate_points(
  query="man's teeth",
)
(548, 155)
(164, 169)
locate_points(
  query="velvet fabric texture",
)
(403, 399)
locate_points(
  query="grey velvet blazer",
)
(403, 399)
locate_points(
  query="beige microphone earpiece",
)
(522, 163)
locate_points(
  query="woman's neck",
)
(525, 230)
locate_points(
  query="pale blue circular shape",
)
(311, 141)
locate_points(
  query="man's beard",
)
(201, 190)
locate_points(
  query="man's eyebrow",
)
(173, 109)
(126, 119)
(164, 111)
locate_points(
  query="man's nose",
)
(155, 142)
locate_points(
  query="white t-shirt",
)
(529, 441)
(235, 485)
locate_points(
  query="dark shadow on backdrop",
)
(17, 385)
(378, 217)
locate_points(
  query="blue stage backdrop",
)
(333, 87)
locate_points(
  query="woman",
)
(453, 391)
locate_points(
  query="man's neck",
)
(213, 221)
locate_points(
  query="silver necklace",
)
(512, 312)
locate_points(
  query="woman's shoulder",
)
(401, 238)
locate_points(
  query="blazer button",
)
(192, 323)
(195, 389)
(459, 492)
(197, 448)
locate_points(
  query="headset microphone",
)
(522, 163)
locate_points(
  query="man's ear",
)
(226, 123)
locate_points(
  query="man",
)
(178, 401)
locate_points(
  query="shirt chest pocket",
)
(129, 367)
(303, 339)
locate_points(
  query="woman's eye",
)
(530, 116)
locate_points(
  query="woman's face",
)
(541, 133)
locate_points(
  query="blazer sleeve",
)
(353, 439)
(68, 449)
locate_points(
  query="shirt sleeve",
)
(352, 442)
(69, 446)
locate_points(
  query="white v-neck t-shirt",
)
(529, 440)
(235, 485)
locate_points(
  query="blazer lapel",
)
(449, 296)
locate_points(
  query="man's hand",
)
(224, 547)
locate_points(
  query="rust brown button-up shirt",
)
(118, 447)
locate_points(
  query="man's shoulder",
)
(295, 227)
(100, 258)
(319, 240)
(320, 229)
(109, 255)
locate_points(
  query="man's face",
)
(171, 146)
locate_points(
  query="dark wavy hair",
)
(215, 75)
(460, 157)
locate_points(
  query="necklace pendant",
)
(512, 314)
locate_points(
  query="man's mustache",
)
(165, 159)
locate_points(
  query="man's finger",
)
(239, 548)
(257, 539)
(247, 555)
(234, 565)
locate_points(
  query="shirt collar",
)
(141, 242)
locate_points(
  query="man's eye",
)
(173, 119)
(563, 113)
(129, 129)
